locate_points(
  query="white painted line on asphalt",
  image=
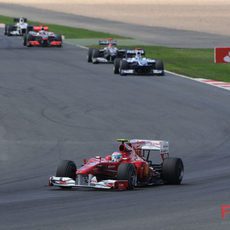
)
(83, 47)
(219, 84)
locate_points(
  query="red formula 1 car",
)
(132, 165)
(40, 36)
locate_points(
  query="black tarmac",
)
(54, 105)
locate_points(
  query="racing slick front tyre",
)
(9, 29)
(159, 65)
(6, 29)
(127, 172)
(95, 55)
(172, 170)
(116, 65)
(123, 66)
(66, 168)
(90, 53)
(25, 40)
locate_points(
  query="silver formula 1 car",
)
(18, 29)
(136, 64)
(105, 54)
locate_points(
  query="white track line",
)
(219, 84)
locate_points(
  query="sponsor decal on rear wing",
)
(155, 145)
(38, 28)
(135, 51)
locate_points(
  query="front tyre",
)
(6, 29)
(90, 53)
(172, 170)
(66, 168)
(159, 65)
(123, 66)
(116, 65)
(95, 55)
(127, 172)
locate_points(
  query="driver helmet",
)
(116, 156)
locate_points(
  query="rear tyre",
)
(66, 168)
(116, 65)
(159, 65)
(127, 172)
(172, 170)
(123, 66)
(90, 53)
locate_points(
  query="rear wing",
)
(154, 145)
(20, 19)
(105, 42)
(38, 28)
(133, 52)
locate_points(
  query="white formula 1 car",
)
(18, 29)
(134, 63)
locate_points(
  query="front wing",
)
(99, 60)
(133, 71)
(45, 44)
(66, 182)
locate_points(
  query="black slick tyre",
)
(159, 65)
(90, 53)
(95, 55)
(25, 40)
(127, 172)
(116, 65)
(172, 170)
(6, 29)
(123, 66)
(9, 29)
(66, 168)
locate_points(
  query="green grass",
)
(198, 63)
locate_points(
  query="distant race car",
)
(135, 163)
(18, 29)
(41, 37)
(134, 63)
(107, 54)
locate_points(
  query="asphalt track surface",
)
(54, 105)
(152, 35)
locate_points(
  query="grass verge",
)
(197, 63)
